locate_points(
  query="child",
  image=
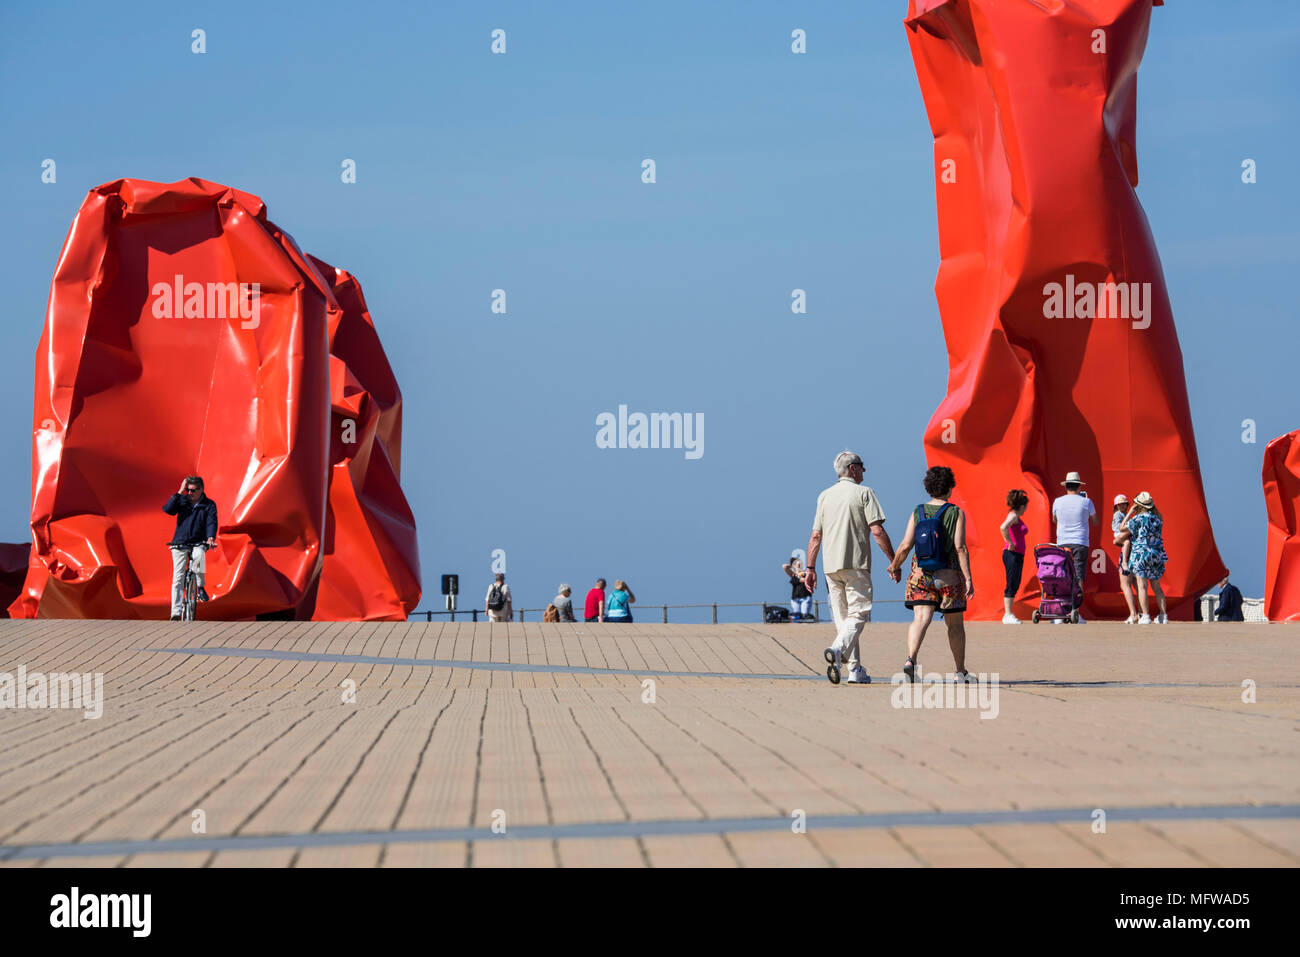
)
(1013, 531)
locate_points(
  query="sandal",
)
(909, 668)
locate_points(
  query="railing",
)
(1252, 608)
(474, 613)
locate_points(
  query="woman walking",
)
(620, 602)
(800, 597)
(1013, 531)
(940, 579)
(1122, 539)
(1147, 559)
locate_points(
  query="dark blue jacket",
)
(195, 522)
(1229, 604)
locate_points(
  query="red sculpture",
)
(187, 333)
(1282, 500)
(1062, 351)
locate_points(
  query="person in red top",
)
(596, 602)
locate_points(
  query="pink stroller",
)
(1057, 584)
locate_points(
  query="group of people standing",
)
(1137, 529)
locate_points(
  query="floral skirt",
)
(1147, 562)
(945, 589)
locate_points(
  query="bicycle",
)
(190, 593)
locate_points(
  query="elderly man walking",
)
(848, 515)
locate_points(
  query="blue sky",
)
(523, 172)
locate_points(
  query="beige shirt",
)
(845, 512)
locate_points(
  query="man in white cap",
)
(1072, 513)
(848, 517)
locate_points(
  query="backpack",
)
(932, 540)
(496, 598)
(551, 614)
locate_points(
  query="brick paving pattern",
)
(429, 757)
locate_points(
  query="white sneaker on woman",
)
(1162, 620)
(1144, 620)
(1010, 620)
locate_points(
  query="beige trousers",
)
(850, 590)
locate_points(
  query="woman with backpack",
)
(620, 603)
(940, 579)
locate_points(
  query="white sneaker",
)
(1058, 621)
(1144, 620)
(1131, 620)
(965, 677)
(858, 676)
(1162, 620)
(1010, 620)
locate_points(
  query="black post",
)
(665, 614)
(428, 616)
(476, 616)
(715, 612)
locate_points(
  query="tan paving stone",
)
(266, 745)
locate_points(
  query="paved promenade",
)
(299, 744)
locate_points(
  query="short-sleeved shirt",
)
(845, 513)
(564, 605)
(594, 598)
(1072, 513)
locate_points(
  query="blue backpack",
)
(931, 539)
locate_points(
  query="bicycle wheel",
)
(187, 605)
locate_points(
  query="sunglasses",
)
(191, 491)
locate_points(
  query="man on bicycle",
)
(196, 523)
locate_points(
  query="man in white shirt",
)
(847, 514)
(1072, 513)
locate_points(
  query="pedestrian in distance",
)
(563, 602)
(594, 609)
(1073, 513)
(1013, 531)
(499, 606)
(620, 603)
(1145, 523)
(940, 580)
(847, 520)
(800, 598)
(1230, 606)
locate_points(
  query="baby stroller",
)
(1057, 584)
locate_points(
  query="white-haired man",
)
(848, 516)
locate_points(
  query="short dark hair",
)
(601, 582)
(939, 481)
(194, 480)
(1016, 498)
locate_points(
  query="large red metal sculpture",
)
(1282, 501)
(186, 333)
(1061, 345)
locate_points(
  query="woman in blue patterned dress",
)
(1147, 560)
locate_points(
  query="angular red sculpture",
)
(372, 569)
(186, 333)
(1062, 351)
(1282, 501)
